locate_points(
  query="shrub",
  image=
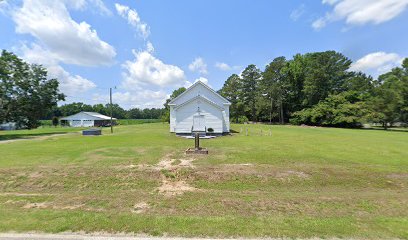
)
(342, 110)
(242, 119)
(210, 130)
(55, 121)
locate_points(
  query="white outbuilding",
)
(199, 109)
(86, 119)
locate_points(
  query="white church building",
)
(199, 109)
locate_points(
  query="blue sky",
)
(147, 48)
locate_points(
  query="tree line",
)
(117, 111)
(313, 88)
(317, 89)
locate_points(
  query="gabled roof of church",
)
(206, 86)
(201, 98)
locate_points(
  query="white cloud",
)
(226, 67)
(198, 65)
(298, 12)
(88, 4)
(319, 23)
(331, 2)
(223, 66)
(377, 63)
(70, 42)
(69, 84)
(149, 47)
(201, 79)
(133, 19)
(101, 7)
(141, 99)
(147, 70)
(3, 6)
(361, 12)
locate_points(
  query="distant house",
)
(86, 119)
(199, 109)
(8, 126)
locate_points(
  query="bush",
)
(210, 130)
(242, 119)
(55, 121)
(342, 110)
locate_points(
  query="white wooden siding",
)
(172, 119)
(184, 117)
(214, 107)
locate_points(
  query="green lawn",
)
(296, 182)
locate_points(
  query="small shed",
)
(199, 109)
(87, 119)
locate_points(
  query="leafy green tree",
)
(388, 103)
(404, 92)
(117, 111)
(341, 110)
(232, 91)
(76, 107)
(135, 113)
(326, 73)
(26, 94)
(250, 82)
(361, 83)
(295, 74)
(272, 87)
(99, 108)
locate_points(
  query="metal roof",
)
(93, 114)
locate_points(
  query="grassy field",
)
(280, 181)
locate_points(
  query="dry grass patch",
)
(299, 182)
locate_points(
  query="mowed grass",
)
(280, 181)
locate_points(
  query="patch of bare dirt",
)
(244, 168)
(13, 202)
(172, 183)
(187, 163)
(291, 173)
(140, 207)
(49, 205)
(166, 164)
(174, 188)
(66, 207)
(24, 194)
(265, 171)
(130, 166)
(398, 176)
(37, 205)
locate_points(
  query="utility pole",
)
(111, 109)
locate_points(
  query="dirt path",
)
(35, 138)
